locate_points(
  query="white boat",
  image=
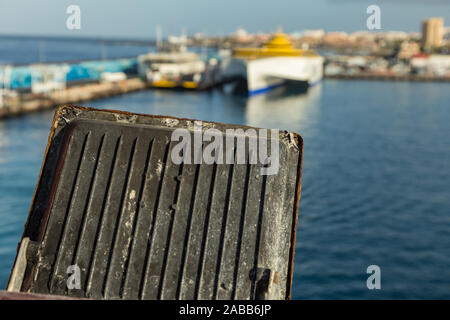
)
(176, 70)
(277, 63)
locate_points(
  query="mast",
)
(158, 37)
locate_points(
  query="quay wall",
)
(71, 95)
(387, 77)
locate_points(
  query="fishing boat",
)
(276, 63)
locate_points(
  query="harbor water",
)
(375, 185)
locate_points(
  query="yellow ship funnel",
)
(278, 46)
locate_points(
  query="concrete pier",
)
(383, 77)
(30, 103)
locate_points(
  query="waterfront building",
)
(432, 32)
(447, 33)
(408, 49)
(435, 64)
(439, 65)
(315, 34)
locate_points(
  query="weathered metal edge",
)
(300, 144)
(16, 279)
(7, 295)
(49, 140)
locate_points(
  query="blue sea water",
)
(375, 185)
(24, 50)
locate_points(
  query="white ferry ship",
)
(277, 63)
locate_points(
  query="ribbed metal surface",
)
(111, 201)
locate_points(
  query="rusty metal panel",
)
(111, 201)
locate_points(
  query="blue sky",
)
(138, 18)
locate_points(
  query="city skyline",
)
(138, 19)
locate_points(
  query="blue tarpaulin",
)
(79, 71)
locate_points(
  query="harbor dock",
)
(27, 103)
(278, 60)
(387, 77)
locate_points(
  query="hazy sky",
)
(138, 18)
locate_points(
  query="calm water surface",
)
(375, 186)
(24, 50)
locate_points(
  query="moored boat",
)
(277, 63)
(177, 70)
